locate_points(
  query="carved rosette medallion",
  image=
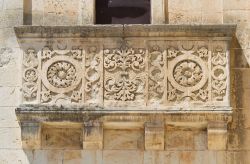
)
(187, 74)
(62, 74)
(124, 77)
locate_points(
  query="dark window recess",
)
(122, 11)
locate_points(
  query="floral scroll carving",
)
(161, 73)
(125, 64)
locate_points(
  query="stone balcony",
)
(145, 76)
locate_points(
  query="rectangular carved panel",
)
(137, 72)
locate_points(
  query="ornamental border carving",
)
(152, 73)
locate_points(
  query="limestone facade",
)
(174, 91)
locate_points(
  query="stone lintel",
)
(31, 135)
(154, 136)
(93, 135)
(161, 30)
(217, 135)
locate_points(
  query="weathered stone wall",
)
(182, 146)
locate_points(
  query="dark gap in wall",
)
(27, 12)
(122, 12)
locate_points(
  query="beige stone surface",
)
(9, 96)
(123, 139)
(8, 118)
(122, 157)
(61, 138)
(181, 146)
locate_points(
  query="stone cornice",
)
(223, 30)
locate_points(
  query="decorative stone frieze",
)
(134, 73)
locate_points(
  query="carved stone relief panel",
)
(124, 75)
(93, 74)
(30, 75)
(61, 75)
(197, 72)
(149, 73)
(188, 71)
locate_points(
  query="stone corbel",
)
(93, 135)
(31, 135)
(154, 136)
(217, 136)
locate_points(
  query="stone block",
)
(179, 5)
(123, 139)
(154, 136)
(12, 18)
(10, 67)
(72, 157)
(8, 118)
(93, 135)
(217, 136)
(61, 137)
(212, 6)
(10, 138)
(13, 4)
(185, 17)
(158, 12)
(154, 157)
(212, 17)
(122, 157)
(16, 156)
(179, 140)
(92, 156)
(61, 12)
(221, 157)
(236, 5)
(239, 17)
(31, 135)
(9, 96)
(1, 4)
(48, 157)
(87, 12)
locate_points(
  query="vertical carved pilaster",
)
(31, 135)
(93, 135)
(217, 136)
(154, 136)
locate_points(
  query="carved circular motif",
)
(187, 73)
(30, 74)
(219, 72)
(61, 74)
